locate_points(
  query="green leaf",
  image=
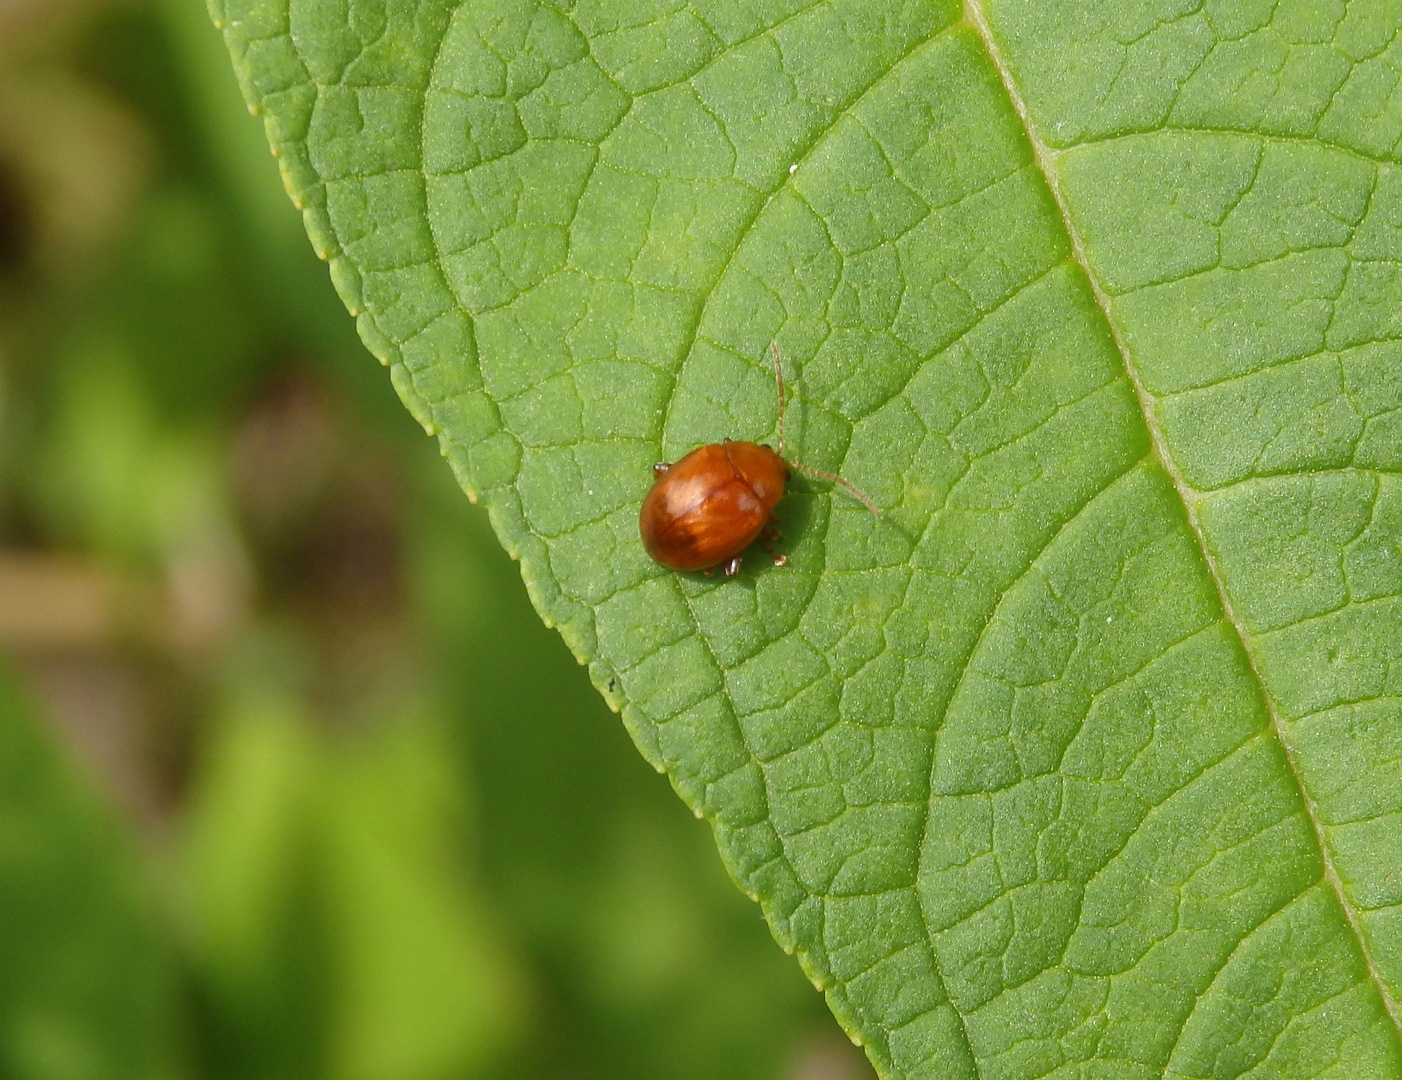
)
(1085, 759)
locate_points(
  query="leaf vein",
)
(1043, 154)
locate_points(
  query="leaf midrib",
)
(1045, 158)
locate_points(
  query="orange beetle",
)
(706, 509)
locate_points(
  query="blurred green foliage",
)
(86, 986)
(346, 810)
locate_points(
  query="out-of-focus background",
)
(293, 783)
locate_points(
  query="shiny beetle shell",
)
(706, 509)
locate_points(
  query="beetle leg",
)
(660, 469)
(732, 566)
(768, 538)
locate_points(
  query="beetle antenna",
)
(851, 489)
(783, 396)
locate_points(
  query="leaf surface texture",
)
(1085, 759)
